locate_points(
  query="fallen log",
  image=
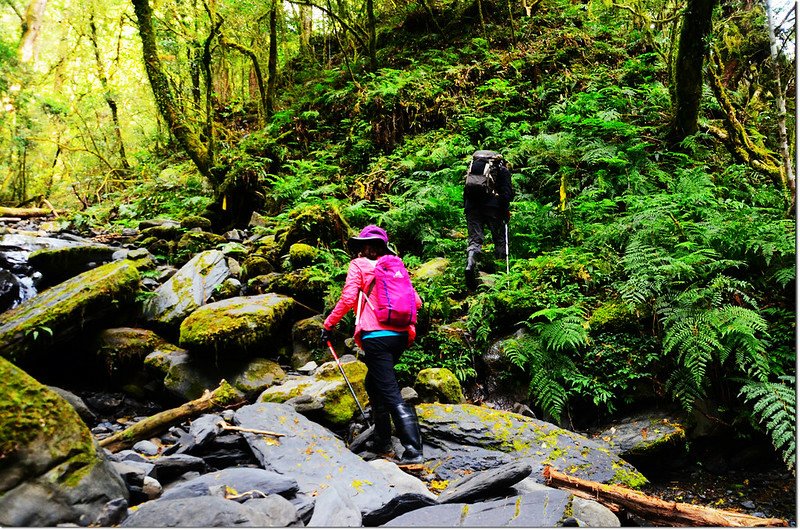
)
(7, 211)
(223, 395)
(653, 510)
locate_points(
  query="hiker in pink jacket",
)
(382, 344)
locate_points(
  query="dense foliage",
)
(642, 270)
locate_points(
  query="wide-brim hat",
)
(372, 234)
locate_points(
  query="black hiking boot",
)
(471, 270)
(407, 425)
(381, 440)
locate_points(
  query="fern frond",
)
(775, 406)
(547, 393)
(684, 388)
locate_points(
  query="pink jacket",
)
(360, 274)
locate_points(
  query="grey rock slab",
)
(237, 479)
(187, 289)
(335, 509)
(407, 502)
(205, 428)
(399, 480)
(451, 427)
(486, 484)
(168, 468)
(312, 454)
(542, 509)
(198, 512)
(279, 511)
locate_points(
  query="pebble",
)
(146, 447)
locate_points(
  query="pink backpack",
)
(395, 297)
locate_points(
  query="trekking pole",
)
(346, 380)
(507, 267)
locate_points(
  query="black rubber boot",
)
(407, 425)
(381, 441)
(471, 270)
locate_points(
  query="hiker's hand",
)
(508, 215)
(326, 336)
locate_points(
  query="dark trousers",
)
(380, 356)
(476, 220)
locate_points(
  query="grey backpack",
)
(480, 178)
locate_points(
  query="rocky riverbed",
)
(119, 337)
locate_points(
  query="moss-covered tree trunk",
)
(687, 72)
(262, 91)
(272, 65)
(188, 139)
(371, 47)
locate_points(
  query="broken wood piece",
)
(654, 510)
(228, 427)
(6, 211)
(223, 395)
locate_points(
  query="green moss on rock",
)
(67, 309)
(195, 221)
(302, 255)
(235, 326)
(35, 421)
(438, 384)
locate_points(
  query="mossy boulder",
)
(471, 438)
(123, 350)
(194, 242)
(328, 386)
(315, 225)
(62, 313)
(306, 342)
(256, 265)
(258, 375)
(302, 255)
(183, 376)
(434, 268)
(438, 385)
(267, 247)
(187, 289)
(306, 285)
(51, 471)
(167, 231)
(195, 221)
(649, 440)
(59, 264)
(240, 326)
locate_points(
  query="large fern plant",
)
(545, 355)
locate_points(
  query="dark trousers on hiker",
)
(380, 356)
(477, 219)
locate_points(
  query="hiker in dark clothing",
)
(382, 344)
(490, 209)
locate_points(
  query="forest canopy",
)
(651, 145)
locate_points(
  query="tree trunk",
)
(306, 28)
(787, 174)
(687, 72)
(272, 65)
(25, 213)
(373, 60)
(31, 28)
(257, 69)
(110, 101)
(187, 138)
(653, 510)
(222, 396)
